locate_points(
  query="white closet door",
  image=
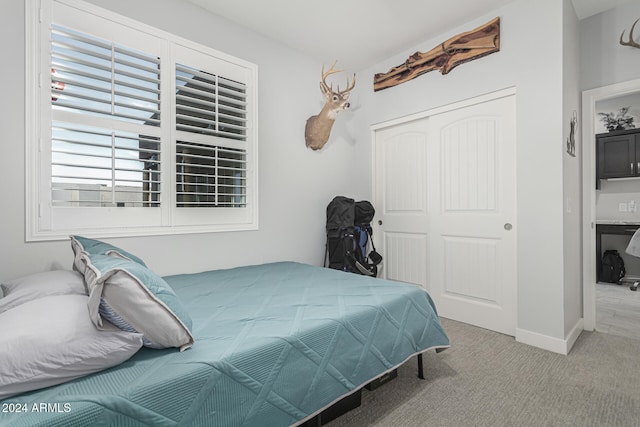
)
(473, 203)
(401, 192)
(445, 193)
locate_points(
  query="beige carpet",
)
(488, 379)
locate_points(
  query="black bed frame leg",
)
(420, 368)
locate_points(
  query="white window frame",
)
(47, 222)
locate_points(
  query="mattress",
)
(274, 344)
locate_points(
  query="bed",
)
(273, 344)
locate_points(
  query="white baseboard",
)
(556, 345)
(574, 333)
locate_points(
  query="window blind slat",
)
(192, 120)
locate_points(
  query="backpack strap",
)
(373, 256)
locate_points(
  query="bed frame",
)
(354, 400)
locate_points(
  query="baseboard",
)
(556, 345)
(574, 334)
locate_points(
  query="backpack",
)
(348, 235)
(612, 267)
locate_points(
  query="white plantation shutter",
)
(211, 169)
(94, 79)
(210, 104)
(93, 167)
(209, 176)
(101, 78)
(134, 131)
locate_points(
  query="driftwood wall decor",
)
(459, 49)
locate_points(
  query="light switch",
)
(622, 207)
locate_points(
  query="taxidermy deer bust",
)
(318, 128)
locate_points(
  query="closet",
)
(445, 195)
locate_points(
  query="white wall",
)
(295, 184)
(530, 59)
(612, 193)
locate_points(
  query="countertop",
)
(617, 222)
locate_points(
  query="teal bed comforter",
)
(274, 344)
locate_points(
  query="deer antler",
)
(349, 87)
(329, 88)
(630, 42)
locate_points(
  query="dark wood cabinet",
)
(618, 154)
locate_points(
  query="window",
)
(132, 130)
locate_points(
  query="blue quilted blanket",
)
(274, 344)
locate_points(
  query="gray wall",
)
(603, 60)
(572, 177)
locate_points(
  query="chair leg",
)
(634, 286)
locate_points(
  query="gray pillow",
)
(51, 340)
(47, 283)
(134, 298)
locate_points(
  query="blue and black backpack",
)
(348, 235)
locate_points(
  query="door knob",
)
(508, 226)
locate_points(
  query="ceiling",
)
(361, 33)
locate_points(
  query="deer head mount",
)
(630, 42)
(318, 128)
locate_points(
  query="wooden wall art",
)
(630, 42)
(571, 141)
(459, 49)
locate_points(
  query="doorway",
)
(589, 100)
(444, 185)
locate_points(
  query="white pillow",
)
(51, 340)
(48, 283)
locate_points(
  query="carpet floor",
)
(489, 379)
